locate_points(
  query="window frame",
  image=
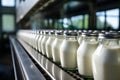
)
(13, 23)
(105, 16)
(9, 5)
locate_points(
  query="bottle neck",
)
(51, 35)
(90, 39)
(71, 37)
(59, 36)
(110, 42)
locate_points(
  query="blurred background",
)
(7, 27)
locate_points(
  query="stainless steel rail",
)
(28, 57)
(28, 68)
(53, 70)
(13, 61)
(50, 68)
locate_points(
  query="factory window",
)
(108, 19)
(8, 23)
(9, 3)
(112, 19)
(67, 24)
(58, 24)
(100, 20)
(80, 22)
(86, 24)
(77, 21)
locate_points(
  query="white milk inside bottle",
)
(105, 60)
(43, 42)
(36, 39)
(56, 46)
(32, 39)
(68, 51)
(40, 40)
(49, 44)
(85, 52)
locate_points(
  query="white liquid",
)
(32, 40)
(39, 42)
(56, 49)
(68, 54)
(36, 41)
(49, 44)
(43, 43)
(106, 63)
(84, 58)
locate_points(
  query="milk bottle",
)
(43, 42)
(56, 46)
(68, 51)
(106, 58)
(40, 40)
(84, 54)
(33, 39)
(49, 44)
(36, 39)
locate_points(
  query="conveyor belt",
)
(30, 60)
(27, 68)
(52, 68)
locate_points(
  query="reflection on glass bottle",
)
(65, 76)
(49, 66)
(56, 72)
(39, 58)
(43, 61)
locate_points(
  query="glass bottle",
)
(49, 44)
(84, 54)
(40, 40)
(43, 42)
(106, 58)
(33, 39)
(36, 39)
(68, 51)
(56, 46)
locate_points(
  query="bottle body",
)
(68, 54)
(43, 43)
(36, 40)
(56, 50)
(48, 46)
(39, 43)
(105, 61)
(84, 56)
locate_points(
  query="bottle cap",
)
(70, 33)
(112, 35)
